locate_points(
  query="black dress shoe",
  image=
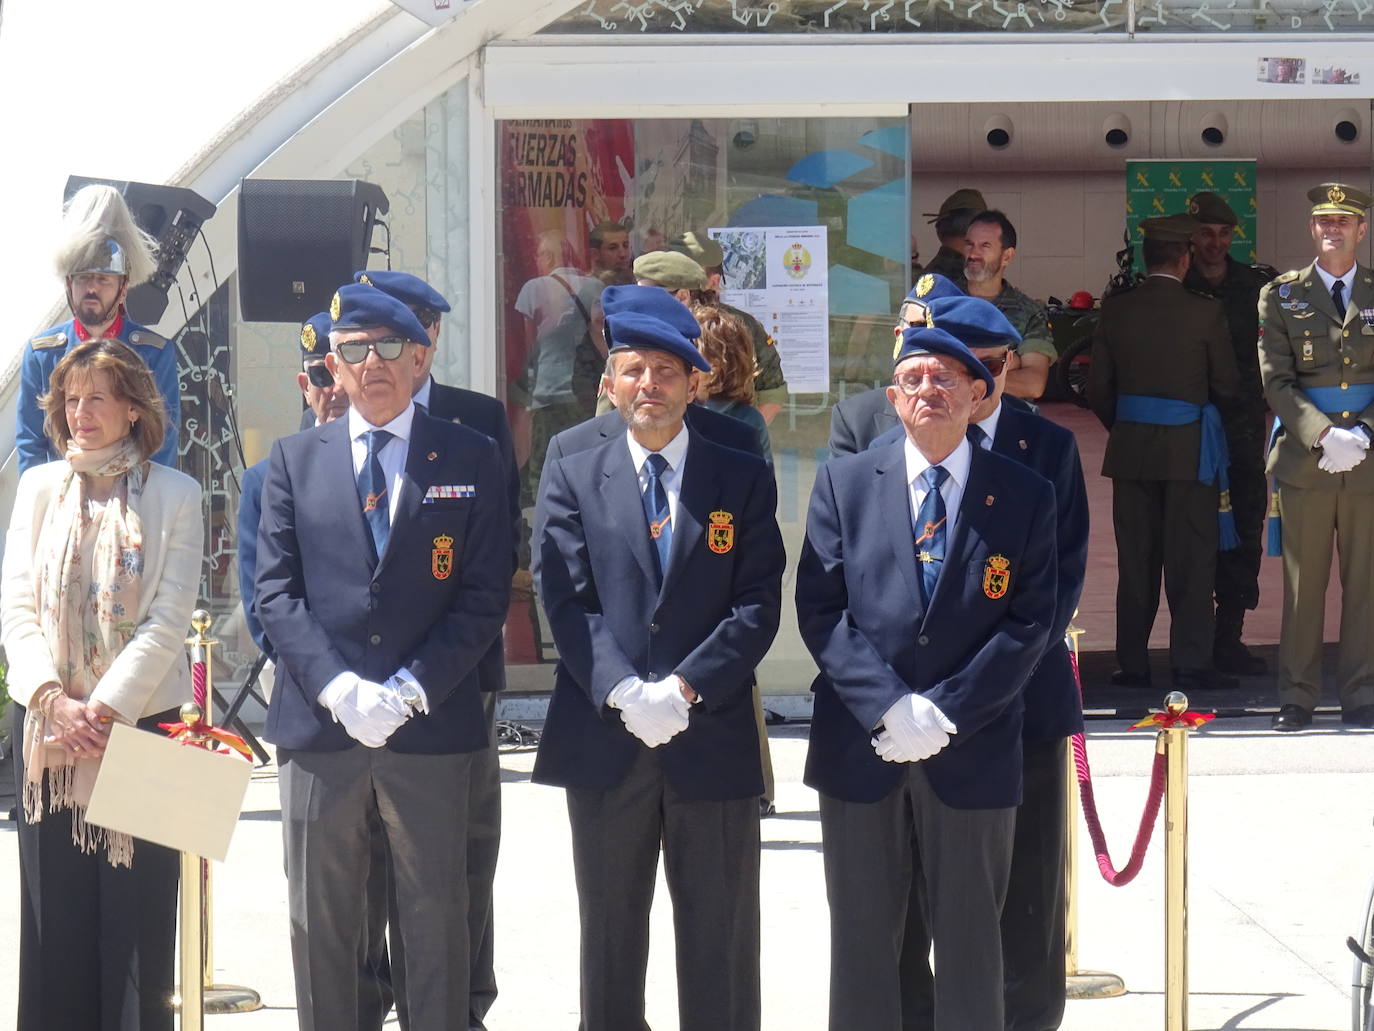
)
(1203, 678)
(1360, 716)
(1125, 678)
(1234, 657)
(766, 809)
(1291, 717)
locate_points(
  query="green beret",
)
(1210, 208)
(671, 269)
(700, 248)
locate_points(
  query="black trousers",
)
(711, 862)
(97, 943)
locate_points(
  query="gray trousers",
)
(711, 862)
(873, 852)
(421, 804)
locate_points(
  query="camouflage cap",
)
(1211, 209)
(700, 248)
(1338, 199)
(964, 199)
(1170, 228)
(672, 269)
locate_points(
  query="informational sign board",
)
(1163, 187)
(780, 276)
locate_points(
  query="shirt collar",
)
(956, 463)
(1348, 279)
(116, 327)
(1163, 275)
(398, 427)
(422, 395)
(674, 451)
(989, 425)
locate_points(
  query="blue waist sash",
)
(1329, 400)
(1213, 459)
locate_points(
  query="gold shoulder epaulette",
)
(47, 343)
(147, 338)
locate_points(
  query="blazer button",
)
(653, 628)
(923, 640)
(375, 639)
(376, 588)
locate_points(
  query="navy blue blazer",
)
(1054, 709)
(858, 420)
(433, 603)
(712, 621)
(250, 516)
(860, 614)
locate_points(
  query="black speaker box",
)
(299, 241)
(172, 215)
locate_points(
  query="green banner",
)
(1163, 187)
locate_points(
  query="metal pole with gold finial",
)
(1173, 740)
(198, 990)
(1078, 984)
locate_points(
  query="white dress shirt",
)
(952, 490)
(989, 426)
(675, 451)
(392, 456)
(1348, 279)
(422, 395)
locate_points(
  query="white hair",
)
(94, 214)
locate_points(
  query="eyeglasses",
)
(909, 383)
(355, 351)
(319, 375)
(427, 317)
(994, 364)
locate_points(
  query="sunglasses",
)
(994, 365)
(355, 351)
(318, 375)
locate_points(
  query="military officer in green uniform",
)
(950, 223)
(989, 247)
(770, 385)
(1317, 361)
(1237, 287)
(1162, 366)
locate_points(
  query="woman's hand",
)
(81, 729)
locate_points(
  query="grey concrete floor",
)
(1282, 852)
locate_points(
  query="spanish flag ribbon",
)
(189, 735)
(1166, 720)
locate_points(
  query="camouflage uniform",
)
(769, 383)
(1237, 586)
(1028, 316)
(948, 263)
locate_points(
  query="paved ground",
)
(1282, 853)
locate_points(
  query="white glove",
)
(369, 712)
(914, 729)
(409, 690)
(1342, 450)
(655, 712)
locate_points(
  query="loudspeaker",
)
(299, 241)
(172, 215)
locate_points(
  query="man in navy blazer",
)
(379, 620)
(1033, 917)
(925, 639)
(660, 569)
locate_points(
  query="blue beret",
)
(358, 306)
(407, 289)
(635, 331)
(931, 286)
(972, 321)
(921, 340)
(315, 336)
(651, 300)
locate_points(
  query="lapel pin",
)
(1024, 445)
(432, 456)
(989, 500)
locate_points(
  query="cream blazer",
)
(151, 673)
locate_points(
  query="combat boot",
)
(1229, 653)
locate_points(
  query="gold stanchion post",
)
(1174, 743)
(1078, 984)
(214, 998)
(190, 997)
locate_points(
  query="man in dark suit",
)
(380, 621)
(660, 569)
(925, 639)
(1162, 368)
(857, 421)
(1033, 917)
(486, 415)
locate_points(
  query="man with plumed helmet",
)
(380, 616)
(660, 570)
(925, 593)
(101, 255)
(1317, 362)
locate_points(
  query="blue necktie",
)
(976, 435)
(1337, 298)
(372, 491)
(656, 509)
(930, 531)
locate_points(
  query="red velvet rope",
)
(1116, 878)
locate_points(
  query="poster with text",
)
(779, 276)
(1163, 187)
